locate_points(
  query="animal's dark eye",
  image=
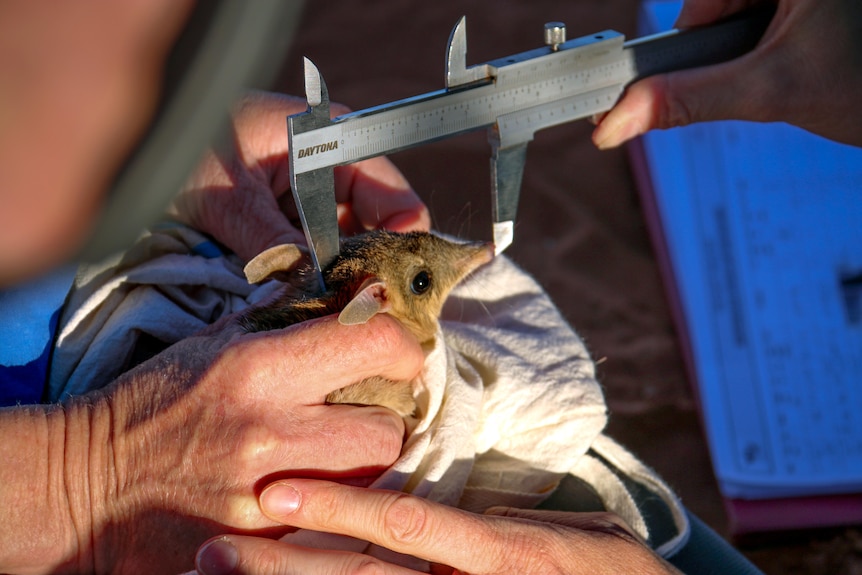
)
(421, 282)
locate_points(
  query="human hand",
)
(177, 450)
(503, 541)
(807, 71)
(241, 196)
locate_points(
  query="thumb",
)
(270, 228)
(700, 12)
(248, 218)
(732, 90)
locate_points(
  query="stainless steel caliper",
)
(511, 97)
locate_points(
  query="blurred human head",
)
(79, 84)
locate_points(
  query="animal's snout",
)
(478, 254)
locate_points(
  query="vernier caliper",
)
(512, 97)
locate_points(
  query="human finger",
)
(377, 195)
(243, 555)
(322, 355)
(587, 521)
(787, 77)
(446, 536)
(700, 12)
(235, 203)
(696, 95)
(397, 521)
(746, 88)
(237, 194)
(259, 122)
(600, 539)
(367, 439)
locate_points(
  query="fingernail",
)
(280, 499)
(615, 130)
(218, 557)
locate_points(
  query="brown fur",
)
(390, 263)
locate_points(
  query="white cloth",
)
(508, 402)
(161, 288)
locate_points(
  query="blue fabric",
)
(29, 314)
(208, 250)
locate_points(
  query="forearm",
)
(44, 489)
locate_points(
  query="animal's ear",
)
(270, 262)
(369, 300)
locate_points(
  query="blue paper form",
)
(763, 224)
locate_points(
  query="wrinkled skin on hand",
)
(807, 71)
(178, 449)
(241, 196)
(504, 541)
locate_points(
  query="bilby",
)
(407, 275)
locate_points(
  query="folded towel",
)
(508, 403)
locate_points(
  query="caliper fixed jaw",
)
(314, 191)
